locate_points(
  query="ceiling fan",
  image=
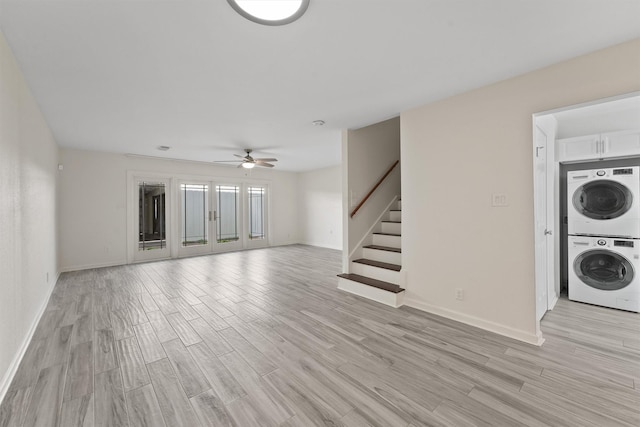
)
(249, 162)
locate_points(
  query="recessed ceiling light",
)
(270, 12)
(164, 148)
(318, 122)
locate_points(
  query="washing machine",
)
(605, 271)
(604, 202)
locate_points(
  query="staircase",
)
(377, 274)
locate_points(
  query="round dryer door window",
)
(604, 270)
(602, 199)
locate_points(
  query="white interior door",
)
(540, 189)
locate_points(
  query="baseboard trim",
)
(15, 363)
(320, 245)
(90, 266)
(517, 334)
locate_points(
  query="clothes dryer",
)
(605, 271)
(604, 202)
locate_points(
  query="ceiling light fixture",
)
(248, 165)
(318, 122)
(270, 12)
(164, 148)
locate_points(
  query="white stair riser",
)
(392, 227)
(376, 273)
(375, 294)
(399, 205)
(395, 215)
(383, 240)
(382, 256)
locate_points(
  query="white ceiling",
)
(129, 75)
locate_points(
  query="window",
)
(152, 232)
(195, 207)
(227, 214)
(256, 212)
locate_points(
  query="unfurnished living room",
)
(320, 212)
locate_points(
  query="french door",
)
(185, 217)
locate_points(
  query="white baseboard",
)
(517, 334)
(322, 245)
(90, 266)
(15, 363)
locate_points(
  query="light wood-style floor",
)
(264, 338)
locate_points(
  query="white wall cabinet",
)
(601, 146)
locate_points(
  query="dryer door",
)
(604, 270)
(602, 199)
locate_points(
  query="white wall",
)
(93, 196)
(455, 154)
(28, 173)
(320, 207)
(367, 155)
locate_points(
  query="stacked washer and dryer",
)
(603, 222)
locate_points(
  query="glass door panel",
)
(152, 225)
(257, 215)
(227, 216)
(194, 218)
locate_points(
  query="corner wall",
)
(455, 154)
(28, 252)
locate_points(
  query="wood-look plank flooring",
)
(264, 338)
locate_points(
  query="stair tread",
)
(395, 210)
(379, 264)
(385, 286)
(388, 234)
(394, 222)
(383, 248)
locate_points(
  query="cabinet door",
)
(579, 148)
(621, 144)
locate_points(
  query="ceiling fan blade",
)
(265, 164)
(238, 155)
(266, 160)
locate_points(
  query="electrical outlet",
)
(499, 200)
(460, 294)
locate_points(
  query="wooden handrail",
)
(373, 189)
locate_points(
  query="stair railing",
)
(357, 208)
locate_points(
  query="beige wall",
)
(320, 207)
(93, 202)
(455, 154)
(28, 174)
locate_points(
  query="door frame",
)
(552, 198)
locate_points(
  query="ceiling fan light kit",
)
(270, 12)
